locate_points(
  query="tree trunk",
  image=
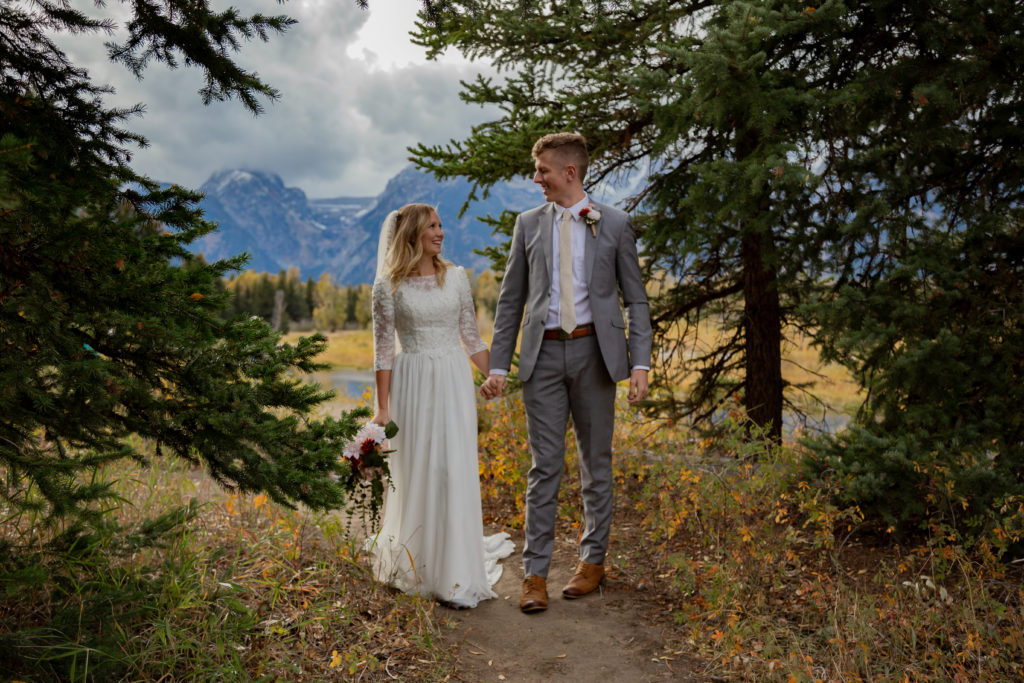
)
(277, 319)
(762, 319)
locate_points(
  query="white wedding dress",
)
(431, 539)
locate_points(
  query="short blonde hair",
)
(406, 249)
(570, 147)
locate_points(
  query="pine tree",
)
(363, 305)
(685, 94)
(851, 171)
(109, 327)
(295, 296)
(329, 311)
(926, 256)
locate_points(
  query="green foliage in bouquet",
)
(363, 469)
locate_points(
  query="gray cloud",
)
(354, 96)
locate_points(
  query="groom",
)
(570, 259)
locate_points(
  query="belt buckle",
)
(563, 335)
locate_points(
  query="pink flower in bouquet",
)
(368, 439)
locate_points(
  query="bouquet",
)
(363, 468)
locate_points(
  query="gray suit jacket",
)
(611, 267)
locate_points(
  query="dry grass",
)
(750, 568)
(829, 387)
(245, 590)
(756, 572)
(345, 348)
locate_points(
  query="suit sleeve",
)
(511, 300)
(634, 298)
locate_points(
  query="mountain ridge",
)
(280, 227)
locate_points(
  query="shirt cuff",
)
(496, 371)
(642, 367)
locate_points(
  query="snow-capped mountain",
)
(279, 227)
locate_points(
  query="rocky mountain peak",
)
(280, 227)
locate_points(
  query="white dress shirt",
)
(579, 244)
(581, 291)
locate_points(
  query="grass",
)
(830, 388)
(751, 569)
(243, 589)
(345, 348)
(764, 579)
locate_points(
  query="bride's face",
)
(432, 236)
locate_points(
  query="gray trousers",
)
(570, 378)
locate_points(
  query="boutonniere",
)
(591, 216)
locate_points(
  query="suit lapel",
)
(590, 240)
(547, 221)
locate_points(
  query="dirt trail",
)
(605, 636)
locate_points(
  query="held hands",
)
(637, 386)
(493, 387)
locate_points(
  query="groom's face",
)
(555, 177)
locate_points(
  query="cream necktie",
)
(567, 300)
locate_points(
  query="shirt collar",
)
(575, 208)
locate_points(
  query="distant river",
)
(349, 383)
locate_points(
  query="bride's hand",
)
(370, 473)
(493, 387)
(382, 418)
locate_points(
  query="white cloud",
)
(355, 93)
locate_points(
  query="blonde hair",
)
(571, 148)
(406, 248)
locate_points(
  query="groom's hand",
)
(493, 386)
(637, 386)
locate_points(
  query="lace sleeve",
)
(383, 326)
(468, 330)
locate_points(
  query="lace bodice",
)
(427, 319)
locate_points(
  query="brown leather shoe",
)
(586, 579)
(535, 594)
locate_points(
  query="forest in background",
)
(289, 303)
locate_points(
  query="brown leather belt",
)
(562, 335)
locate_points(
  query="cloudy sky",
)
(355, 93)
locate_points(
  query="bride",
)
(431, 540)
